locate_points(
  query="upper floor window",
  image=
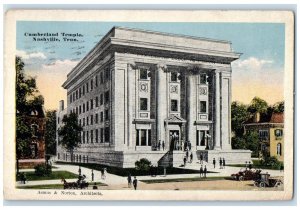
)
(87, 106)
(263, 134)
(143, 74)
(203, 79)
(87, 87)
(96, 81)
(174, 105)
(143, 104)
(101, 77)
(92, 104)
(173, 76)
(106, 114)
(97, 101)
(107, 97)
(107, 74)
(203, 107)
(83, 90)
(278, 132)
(279, 149)
(92, 84)
(101, 99)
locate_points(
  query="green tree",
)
(69, 133)
(238, 143)
(27, 98)
(278, 107)
(239, 115)
(258, 105)
(50, 132)
(252, 142)
(143, 164)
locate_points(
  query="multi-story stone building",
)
(144, 94)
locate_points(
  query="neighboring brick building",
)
(137, 90)
(270, 131)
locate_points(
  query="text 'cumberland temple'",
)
(144, 94)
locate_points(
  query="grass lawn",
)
(124, 171)
(31, 176)
(54, 186)
(193, 179)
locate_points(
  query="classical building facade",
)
(144, 94)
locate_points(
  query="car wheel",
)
(241, 178)
(262, 184)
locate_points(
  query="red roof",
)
(277, 118)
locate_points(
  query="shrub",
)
(272, 162)
(42, 169)
(143, 164)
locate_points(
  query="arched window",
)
(279, 149)
(34, 128)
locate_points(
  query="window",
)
(96, 82)
(101, 99)
(143, 104)
(279, 149)
(101, 116)
(143, 74)
(76, 110)
(87, 136)
(80, 122)
(83, 90)
(92, 104)
(87, 106)
(58, 120)
(173, 76)
(80, 109)
(278, 133)
(203, 79)
(87, 87)
(200, 138)
(106, 114)
(87, 120)
(92, 119)
(263, 134)
(92, 136)
(174, 105)
(83, 122)
(203, 106)
(101, 77)
(106, 134)
(92, 84)
(107, 97)
(97, 118)
(97, 136)
(143, 137)
(83, 108)
(97, 101)
(70, 98)
(80, 92)
(76, 94)
(107, 74)
(101, 135)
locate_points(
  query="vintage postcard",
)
(148, 105)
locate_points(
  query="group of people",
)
(161, 144)
(203, 171)
(248, 165)
(132, 182)
(222, 163)
(187, 157)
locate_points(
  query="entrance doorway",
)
(174, 140)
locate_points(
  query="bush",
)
(272, 162)
(143, 164)
(42, 169)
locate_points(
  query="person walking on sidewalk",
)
(220, 161)
(163, 145)
(129, 180)
(224, 163)
(201, 171)
(191, 157)
(201, 159)
(214, 162)
(92, 175)
(205, 171)
(184, 161)
(134, 183)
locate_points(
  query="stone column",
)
(191, 116)
(130, 77)
(161, 103)
(217, 145)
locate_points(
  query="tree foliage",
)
(239, 115)
(143, 164)
(278, 107)
(27, 99)
(69, 133)
(50, 132)
(258, 105)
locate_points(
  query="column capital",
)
(132, 65)
(161, 66)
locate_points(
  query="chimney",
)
(256, 117)
(61, 105)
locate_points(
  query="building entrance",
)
(174, 140)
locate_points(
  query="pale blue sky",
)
(258, 72)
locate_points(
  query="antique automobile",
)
(246, 174)
(265, 181)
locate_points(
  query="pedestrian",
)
(79, 171)
(223, 162)
(246, 165)
(250, 165)
(95, 187)
(184, 161)
(159, 143)
(187, 153)
(129, 180)
(201, 171)
(134, 183)
(205, 171)
(189, 145)
(191, 157)
(201, 158)
(92, 175)
(163, 145)
(214, 162)
(220, 161)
